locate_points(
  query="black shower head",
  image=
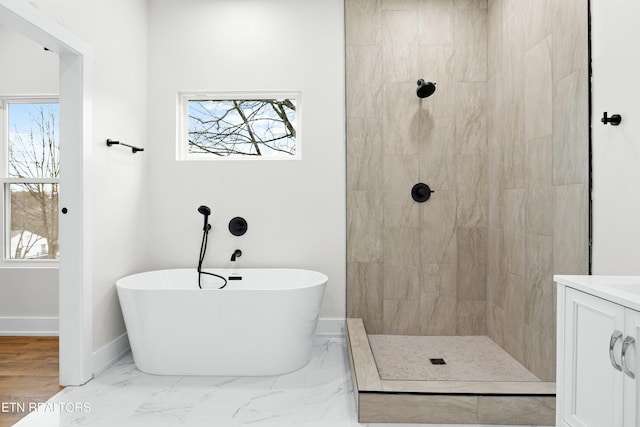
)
(425, 89)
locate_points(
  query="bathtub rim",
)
(314, 279)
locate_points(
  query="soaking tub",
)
(262, 323)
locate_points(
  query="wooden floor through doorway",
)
(28, 375)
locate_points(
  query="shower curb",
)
(460, 402)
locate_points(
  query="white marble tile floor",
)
(317, 395)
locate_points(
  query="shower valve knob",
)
(614, 120)
(421, 192)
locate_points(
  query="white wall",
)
(616, 149)
(27, 69)
(117, 30)
(295, 209)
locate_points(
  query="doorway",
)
(75, 309)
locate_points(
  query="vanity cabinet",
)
(597, 359)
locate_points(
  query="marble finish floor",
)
(319, 394)
(468, 358)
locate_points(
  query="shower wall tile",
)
(437, 156)
(537, 123)
(471, 210)
(539, 203)
(364, 154)
(401, 263)
(471, 172)
(540, 354)
(365, 294)
(514, 233)
(514, 316)
(494, 38)
(438, 299)
(363, 22)
(471, 118)
(472, 318)
(513, 151)
(436, 64)
(538, 91)
(538, 24)
(401, 119)
(570, 229)
(571, 129)
(438, 242)
(495, 185)
(495, 323)
(400, 46)
(496, 276)
(470, 26)
(494, 113)
(364, 81)
(471, 184)
(401, 317)
(403, 256)
(399, 4)
(471, 4)
(513, 58)
(570, 30)
(472, 264)
(436, 22)
(539, 284)
(400, 174)
(364, 225)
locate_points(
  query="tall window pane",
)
(33, 140)
(30, 181)
(33, 221)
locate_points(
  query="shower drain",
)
(437, 361)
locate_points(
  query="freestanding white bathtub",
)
(261, 324)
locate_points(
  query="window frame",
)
(182, 123)
(6, 180)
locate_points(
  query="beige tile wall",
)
(538, 169)
(504, 144)
(417, 268)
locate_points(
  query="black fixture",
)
(421, 192)
(206, 211)
(236, 254)
(238, 226)
(437, 361)
(134, 150)
(613, 120)
(425, 89)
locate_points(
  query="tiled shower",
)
(503, 142)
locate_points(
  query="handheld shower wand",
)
(206, 211)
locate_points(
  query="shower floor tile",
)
(467, 358)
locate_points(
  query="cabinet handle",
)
(625, 345)
(615, 336)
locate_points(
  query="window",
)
(30, 170)
(243, 126)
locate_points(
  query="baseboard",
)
(110, 353)
(330, 326)
(28, 326)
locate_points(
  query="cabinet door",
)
(592, 389)
(631, 389)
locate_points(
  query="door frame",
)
(75, 273)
